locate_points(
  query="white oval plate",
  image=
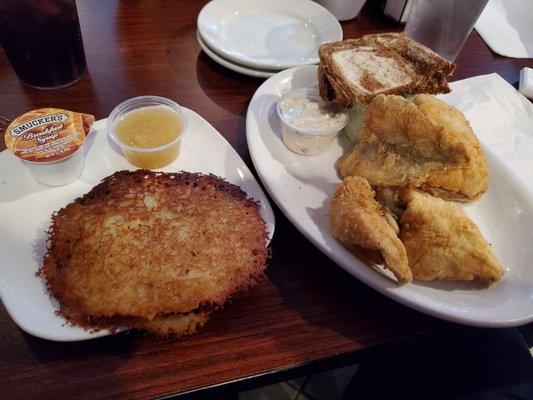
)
(273, 34)
(302, 186)
(26, 207)
(257, 73)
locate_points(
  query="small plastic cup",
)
(49, 141)
(147, 157)
(309, 140)
(60, 172)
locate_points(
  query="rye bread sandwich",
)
(354, 71)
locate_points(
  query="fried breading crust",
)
(356, 218)
(421, 143)
(442, 242)
(151, 245)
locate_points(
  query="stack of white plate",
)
(260, 38)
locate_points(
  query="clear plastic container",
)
(309, 124)
(49, 141)
(57, 173)
(147, 157)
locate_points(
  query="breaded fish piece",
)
(150, 245)
(442, 242)
(356, 218)
(423, 142)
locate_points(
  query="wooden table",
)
(307, 315)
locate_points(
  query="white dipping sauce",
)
(309, 124)
(308, 113)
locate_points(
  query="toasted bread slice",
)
(356, 70)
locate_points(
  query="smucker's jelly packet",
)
(47, 134)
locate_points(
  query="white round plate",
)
(302, 186)
(231, 65)
(26, 207)
(273, 34)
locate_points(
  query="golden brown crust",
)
(181, 324)
(174, 324)
(442, 242)
(426, 69)
(356, 218)
(144, 244)
(424, 143)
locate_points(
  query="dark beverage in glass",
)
(42, 40)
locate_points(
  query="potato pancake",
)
(146, 247)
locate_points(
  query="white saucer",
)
(258, 73)
(274, 34)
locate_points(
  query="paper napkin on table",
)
(502, 119)
(507, 27)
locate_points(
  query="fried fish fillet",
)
(153, 248)
(356, 218)
(442, 242)
(423, 142)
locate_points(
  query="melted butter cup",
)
(49, 142)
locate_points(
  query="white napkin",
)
(507, 27)
(502, 119)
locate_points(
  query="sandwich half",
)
(356, 70)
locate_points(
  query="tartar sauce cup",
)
(309, 124)
(149, 157)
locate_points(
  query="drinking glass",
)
(42, 40)
(443, 25)
(343, 10)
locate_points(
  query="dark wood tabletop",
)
(308, 313)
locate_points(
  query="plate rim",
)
(87, 334)
(254, 63)
(393, 294)
(240, 69)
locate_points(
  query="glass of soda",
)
(42, 40)
(443, 26)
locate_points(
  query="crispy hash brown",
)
(155, 251)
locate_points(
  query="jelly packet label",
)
(47, 134)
